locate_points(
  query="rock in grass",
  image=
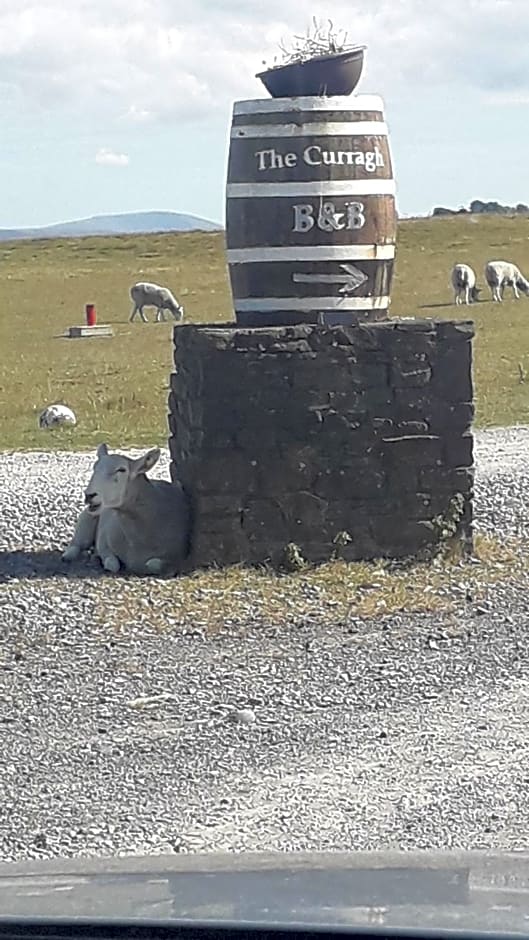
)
(56, 416)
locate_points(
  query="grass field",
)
(118, 387)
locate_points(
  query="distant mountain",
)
(129, 223)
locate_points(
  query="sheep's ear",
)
(102, 450)
(145, 463)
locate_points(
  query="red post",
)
(91, 316)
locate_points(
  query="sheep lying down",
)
(131, 522)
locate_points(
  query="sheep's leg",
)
(161, 314)
(162, 569)
(111, 563)
(467, 295)
(142, 315)
(83, 537)
(515, 291)
(107, 557)
(134, 312)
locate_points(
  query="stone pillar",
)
(352, 439)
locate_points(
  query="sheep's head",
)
(177, 309)
(474, 293)
(524, 286)
(111, 479)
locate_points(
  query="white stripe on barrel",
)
(271, 304)
(323, 188)
(311, 253)
(278, 105)
(333, 129)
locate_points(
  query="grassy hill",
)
(118, 387)
(126, 223)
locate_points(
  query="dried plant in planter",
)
(321, 40)
(320, 63)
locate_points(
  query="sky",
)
(125, 105)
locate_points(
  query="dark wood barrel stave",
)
(310, 210)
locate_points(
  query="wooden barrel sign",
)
(310, 211)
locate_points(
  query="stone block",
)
(403, 346)
(455, 331)
(223, 507)
(352, 480)
(349, 514)
(416, 505)
(380, 402)
(452, 374)
(455, 417)
(413, 325)
(405, 375)
(263, 518)
(412, 427)
(382, 427)
(292, 346)
(458, 450)
(403, 478)
(445, 479)
(296, 434)
(225, 472)
(304, 510)
(422, 450)
(369, 375)
(219, 548)
(397, 535)
(278, 474)
(412, 401)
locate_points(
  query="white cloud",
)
(106, 157)
(145, 60)
(138, 115)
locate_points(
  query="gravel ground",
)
(404, 732)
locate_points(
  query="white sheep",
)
(502, 274)
(464, 283)
(131, 521)
(144, 294)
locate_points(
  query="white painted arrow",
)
(351, 280)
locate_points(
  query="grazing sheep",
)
(502, 274)
(152, 295)
(132, 522)
(56, 415)
(464, 283)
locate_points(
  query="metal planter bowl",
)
(328, 75)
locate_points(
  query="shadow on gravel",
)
(45, 564)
